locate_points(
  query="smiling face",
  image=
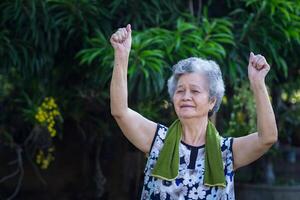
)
(191, 98)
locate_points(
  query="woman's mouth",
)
(186, 106)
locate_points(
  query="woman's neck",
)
(194, 131)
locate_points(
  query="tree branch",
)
(20, 169)
(191, 7)
(199, 8)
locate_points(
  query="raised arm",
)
(137, 129)
(249, 148)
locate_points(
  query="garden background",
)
(57, 137)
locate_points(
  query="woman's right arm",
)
(137, 129)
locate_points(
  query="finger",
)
(117, 37)
(128, 28)
(251, 57)
(112, 40)
(258, 59)
(119, 29)
(124, 33)
(127, 33)
(114, 37)
(261, 62)
(255, 61)
(266, 68)
(121, 35)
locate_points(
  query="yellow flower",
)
(51, 124)
(53, 133)
(46, 116)
(38, 158)
(44, 105)
(45, 164)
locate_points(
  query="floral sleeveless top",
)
(189, 182)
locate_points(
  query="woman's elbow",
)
(115, 114)
(272, 138)
(275, 135)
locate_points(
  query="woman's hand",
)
(258, 68)
(121, 40)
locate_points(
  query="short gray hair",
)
(210, 69)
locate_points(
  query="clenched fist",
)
(258, 68)
(121, 40)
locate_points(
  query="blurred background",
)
(57, 137)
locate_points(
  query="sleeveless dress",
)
(189, 182)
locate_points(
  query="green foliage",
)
(6, 87)
(289, 111)
(205, 39)
(145, 14)
(243, 112)
(267, 27)
(154, 51)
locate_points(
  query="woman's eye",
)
(179, 91)
(195, 91)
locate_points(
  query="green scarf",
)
(167, 165)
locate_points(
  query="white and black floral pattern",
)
(189, 183)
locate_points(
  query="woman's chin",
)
(186, 116)
(190, 115)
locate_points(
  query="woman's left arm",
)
(249, 148)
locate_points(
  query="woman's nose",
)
(186, 95)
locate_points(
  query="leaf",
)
(284, 66)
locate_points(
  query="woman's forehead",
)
(192, 79)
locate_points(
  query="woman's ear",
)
(212, 103)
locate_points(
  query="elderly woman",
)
(190, 160)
